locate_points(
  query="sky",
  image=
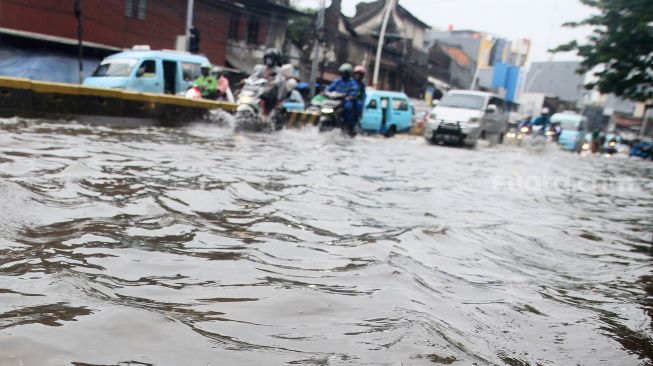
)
(538, 20)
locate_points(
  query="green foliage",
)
(620, 47)
(300, 26)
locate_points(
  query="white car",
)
(464, 116)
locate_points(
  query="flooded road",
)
(196, 246)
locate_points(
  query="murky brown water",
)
(195, 246)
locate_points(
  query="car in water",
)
(386, 112)
(573, 130)
(144, 70)
(464, 116)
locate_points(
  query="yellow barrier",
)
(73, 89)
(297, 119)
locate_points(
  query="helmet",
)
(206, 65)
(346, 68)
(291, 84)
(274, 55)
(359, 69)
(287, 70)
(217, 70)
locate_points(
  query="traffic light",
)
(194, 41)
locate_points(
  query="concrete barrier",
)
(38, 99)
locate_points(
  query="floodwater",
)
(197, 246)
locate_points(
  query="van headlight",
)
(473, 123)
(327, 110)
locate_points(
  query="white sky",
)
(539, 20)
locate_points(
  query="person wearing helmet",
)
(544, 120)
(359, 75)
(270, 67)
(206, 82)
(348, 86)
(222, 83)
(292, 95)
(271, 71)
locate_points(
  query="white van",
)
(464, 116)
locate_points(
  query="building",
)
(556, 78)
(492, 63)
(48, 29)
(404, 61)
(253, 27)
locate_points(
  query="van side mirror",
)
(140, 72)
(491, 108)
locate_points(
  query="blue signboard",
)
(506, 77)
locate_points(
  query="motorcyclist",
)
(359, 75)
(542, 120)
(206, 82)
(270, 67)
(270, 70)
(222, 83)
(348, 86)
(525, 123)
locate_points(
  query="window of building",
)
(135, 8)
(234, 24)
(252, 30)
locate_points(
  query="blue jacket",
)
(541, 120)
(349, 87)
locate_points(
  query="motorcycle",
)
(251, 113)
(642, 148)
(193, 92)
(331, 113)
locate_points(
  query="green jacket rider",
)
(207, 83)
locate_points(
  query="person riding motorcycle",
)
(359, 75)
(542, 120)
(348, 86)
(222, 83)
(270, 70)
(206, 83)
(270, 67)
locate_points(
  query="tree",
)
(620, 47)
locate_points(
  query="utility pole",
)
(189, 22)
(390, 5)
(80, 55)
(316, 48)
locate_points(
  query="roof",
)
(457, 54)
(567, 117)
(389, 93)
(374, 9)
(56, 39)
(181, 56)
(263, 7)
(472, 92)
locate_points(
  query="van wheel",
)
(391, 131)
(500, 140)
(482, 136)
